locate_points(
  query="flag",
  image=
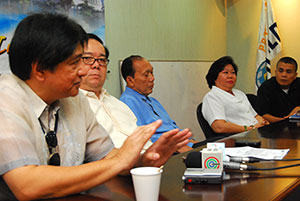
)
(268, 43)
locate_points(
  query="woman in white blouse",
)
(227, 110)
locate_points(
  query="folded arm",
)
(294, 111)
(222, 126)
(273, 119)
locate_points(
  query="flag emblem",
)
(269, 44)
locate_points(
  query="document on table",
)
(256, 152)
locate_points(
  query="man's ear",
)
(130, 81)
(37, 72)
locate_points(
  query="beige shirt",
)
(80, 137)
(115, 116)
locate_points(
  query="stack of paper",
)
(256, 152)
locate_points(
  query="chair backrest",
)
(252, 99)
(207, 130)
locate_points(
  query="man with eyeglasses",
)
(115, 116)
(51, 144)
(279, 97)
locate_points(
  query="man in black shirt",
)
(279, 97)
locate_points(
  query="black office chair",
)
(207, 130)
(252, 99)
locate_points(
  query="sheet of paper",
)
(256, 152)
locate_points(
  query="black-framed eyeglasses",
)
(91, 61)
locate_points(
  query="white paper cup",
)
(146, 182)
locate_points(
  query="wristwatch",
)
(251, 127)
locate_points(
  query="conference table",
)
(237, 185)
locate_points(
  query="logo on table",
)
(211, 163)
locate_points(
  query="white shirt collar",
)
(92, 94)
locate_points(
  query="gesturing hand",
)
(165, 146)
(129, 153)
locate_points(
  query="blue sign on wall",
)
(88, 13)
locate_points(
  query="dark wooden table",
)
(239, 185)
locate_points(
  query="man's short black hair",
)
(95, 37)
(217, 67)
(47, 39)
(127, 66)
(288, 60)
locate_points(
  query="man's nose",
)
(95, 65)
(83, 70)
(152, 78)
(284, 73)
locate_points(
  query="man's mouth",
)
(95, 75)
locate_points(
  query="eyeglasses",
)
(91, 61)
(51, 139)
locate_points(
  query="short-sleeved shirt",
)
(115, 116)
(221, 105)
(271, 99)
(22, 140)
(147, 110)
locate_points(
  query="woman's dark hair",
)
(217, 67)
(47, 39)
(95, 37)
